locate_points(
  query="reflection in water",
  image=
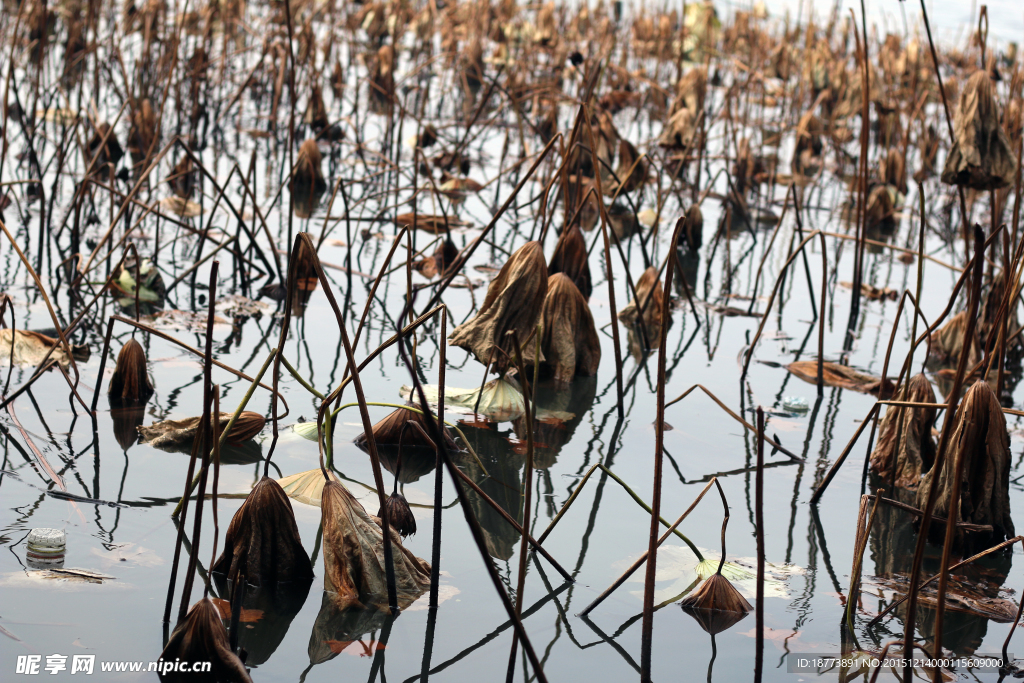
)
(245, 453)
(416, 461)
(277, 604)
(339, 626)
(893, 537)
(125, 422)
(306, 198)
(503, 453)
(504, 485)
(550, 433)
(688, 263)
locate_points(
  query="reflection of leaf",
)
(520, 446)
(247, 616)
(356, 648)
(444, 592)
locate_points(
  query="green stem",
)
(645, 506)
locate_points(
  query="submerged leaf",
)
(842, 376)
(962, 595)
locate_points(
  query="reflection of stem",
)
(863, 531)
(714, 653)
(643, 558)
(316, 544)
(641, 503)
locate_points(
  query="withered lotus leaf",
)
(649, 293)
(691, 90)
(307, 176)
(716, 604)
(807, 154)
(445, 255)
(692, 233)
(201, 637)
(388, 432)
(31, 347)
(980, 439)
(570, 343)
(183, 178)
(111, 152)
(382, 80)
(570, 257)
(881, 207)
(171, 434)
(632, 170)
(262, 541)
(679, 131)
(987, 322)
(316, 112)
(906, 442)
(130, 382)
(143, 134)
(948, 342)
(981, 156)
(514, 301)
(843, 376)
(428, 222)
(354, 553)
(894, 170)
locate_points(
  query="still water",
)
(129, 534)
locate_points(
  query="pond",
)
(90, 475)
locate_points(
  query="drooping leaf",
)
(262, 542)
(353, 548)
(201, 637)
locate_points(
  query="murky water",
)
(129, 533)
